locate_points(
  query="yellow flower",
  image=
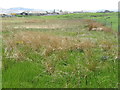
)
(19, 42)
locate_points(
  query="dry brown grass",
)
(88, 20)
(50, 67)
(52, 26)
(48, 43)
(26, 23)
(106, 45)
(98, 25)
(93, 24)
(45, 43)
(34, 21)
(37, 40)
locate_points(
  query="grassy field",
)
(60, 51)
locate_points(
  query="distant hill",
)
(17, 10)
(20, 8)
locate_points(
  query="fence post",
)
(111, 24)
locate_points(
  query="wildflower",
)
(116, 58)
(19, 42)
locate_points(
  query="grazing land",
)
(62, 51)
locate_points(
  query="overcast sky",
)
(70, 5)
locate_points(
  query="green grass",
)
(70, 71)
(87, 67)
(113, 18)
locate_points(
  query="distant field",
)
(60, 51)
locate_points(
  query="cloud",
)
(62, 4)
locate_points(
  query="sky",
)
(70, 5)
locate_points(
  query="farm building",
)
(37, 13)
(78, 12)
(6, 15)
(40, 13)
(33, 13)
(24, 13)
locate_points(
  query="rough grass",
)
(67, 57)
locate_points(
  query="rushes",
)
(37, 41)
(44, 43)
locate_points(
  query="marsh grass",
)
(66, 56)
